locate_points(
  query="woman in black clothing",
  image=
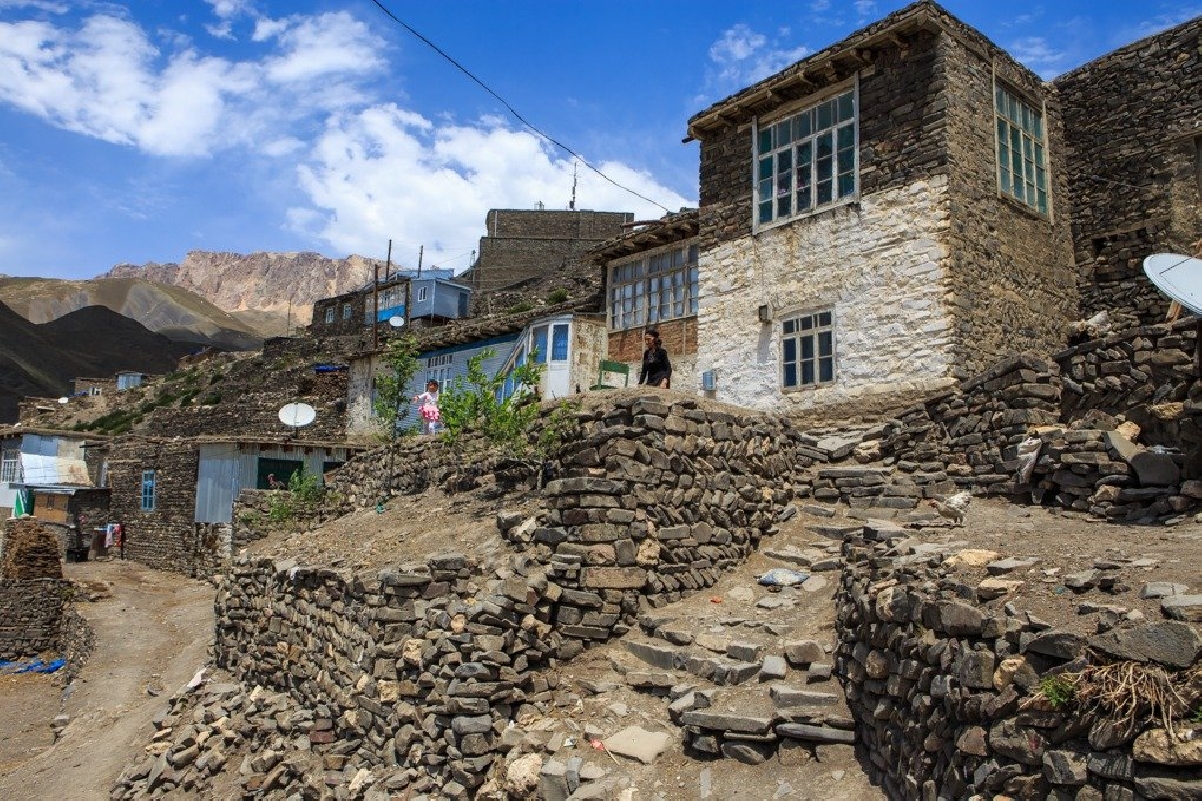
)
(657, 370)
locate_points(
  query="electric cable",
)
(511, 109)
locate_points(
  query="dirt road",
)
(156, 630)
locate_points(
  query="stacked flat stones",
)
(944, 688)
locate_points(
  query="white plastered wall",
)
(880, 265)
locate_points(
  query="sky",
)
(134, 131)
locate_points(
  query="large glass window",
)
(148, 491)
(808, 350)
(540, 344)
(808, 160)
(1022, 165)
(651, 289)
(559, 342)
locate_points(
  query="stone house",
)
(176, 498)
(1133, 127)
(881, 219)
(525, 253)
(650, 278)
(60, 476)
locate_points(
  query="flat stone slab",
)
(1162, 589)
(1183, 607)
(638, 743)
(726, 721)
(1003, 566)
(815, 734)
(1169, 642)
(785, 696)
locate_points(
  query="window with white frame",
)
(1021, 156)
(808, 160)
(346, 311)
(148, 491)
(423, 293)
(10, 466)
(440, 369)
(654, 288)
(808, 350)
(329, 315)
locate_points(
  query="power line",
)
(511, 109)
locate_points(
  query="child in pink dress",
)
(428, 407)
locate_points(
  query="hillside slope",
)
(41, 360)
(169, 310)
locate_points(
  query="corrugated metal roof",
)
(40, 470)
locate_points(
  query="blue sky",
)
(137, 130)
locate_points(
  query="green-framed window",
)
(1021, 152)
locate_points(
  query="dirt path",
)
(155, 629)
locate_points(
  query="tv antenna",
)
(297, 415)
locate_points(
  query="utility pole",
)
(421, 249)
(375, 297)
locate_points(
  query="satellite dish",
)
(396, 322)
(297, 415)
(64, 400)
(1178, 276)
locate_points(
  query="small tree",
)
(399, 365)
(475, 403)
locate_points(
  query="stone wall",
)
(424, 667)
(527, 245)
(943, 679)
(1011, 285)
(32, 590)
(892, 331)
(1131, 122)
(31, 616)
(165, 538)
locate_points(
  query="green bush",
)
(474, 404)
(1059, 691)
(518, 308)
(557, 296)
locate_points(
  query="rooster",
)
(953, 507)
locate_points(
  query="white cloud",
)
(303, 113)
(333, 44)
(865, 9)
(107, 80)
(1163, 22)
(820, 5)
(39, 5)
(387, 173)
(742, 56)
(1038, 55)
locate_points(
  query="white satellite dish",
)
(396, 322)
(1178, 276)
(297, 415)
(64, 400)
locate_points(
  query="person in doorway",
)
(657, 369)
(428, 407)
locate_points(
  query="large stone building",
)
(881, 219)
(1133, 126)
(535, 250)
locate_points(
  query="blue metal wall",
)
(447, 364)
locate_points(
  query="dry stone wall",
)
(424, 668)
(944, 684)
(31, 616)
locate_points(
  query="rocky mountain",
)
(172, 311)
(259, 288)
(95, 341)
